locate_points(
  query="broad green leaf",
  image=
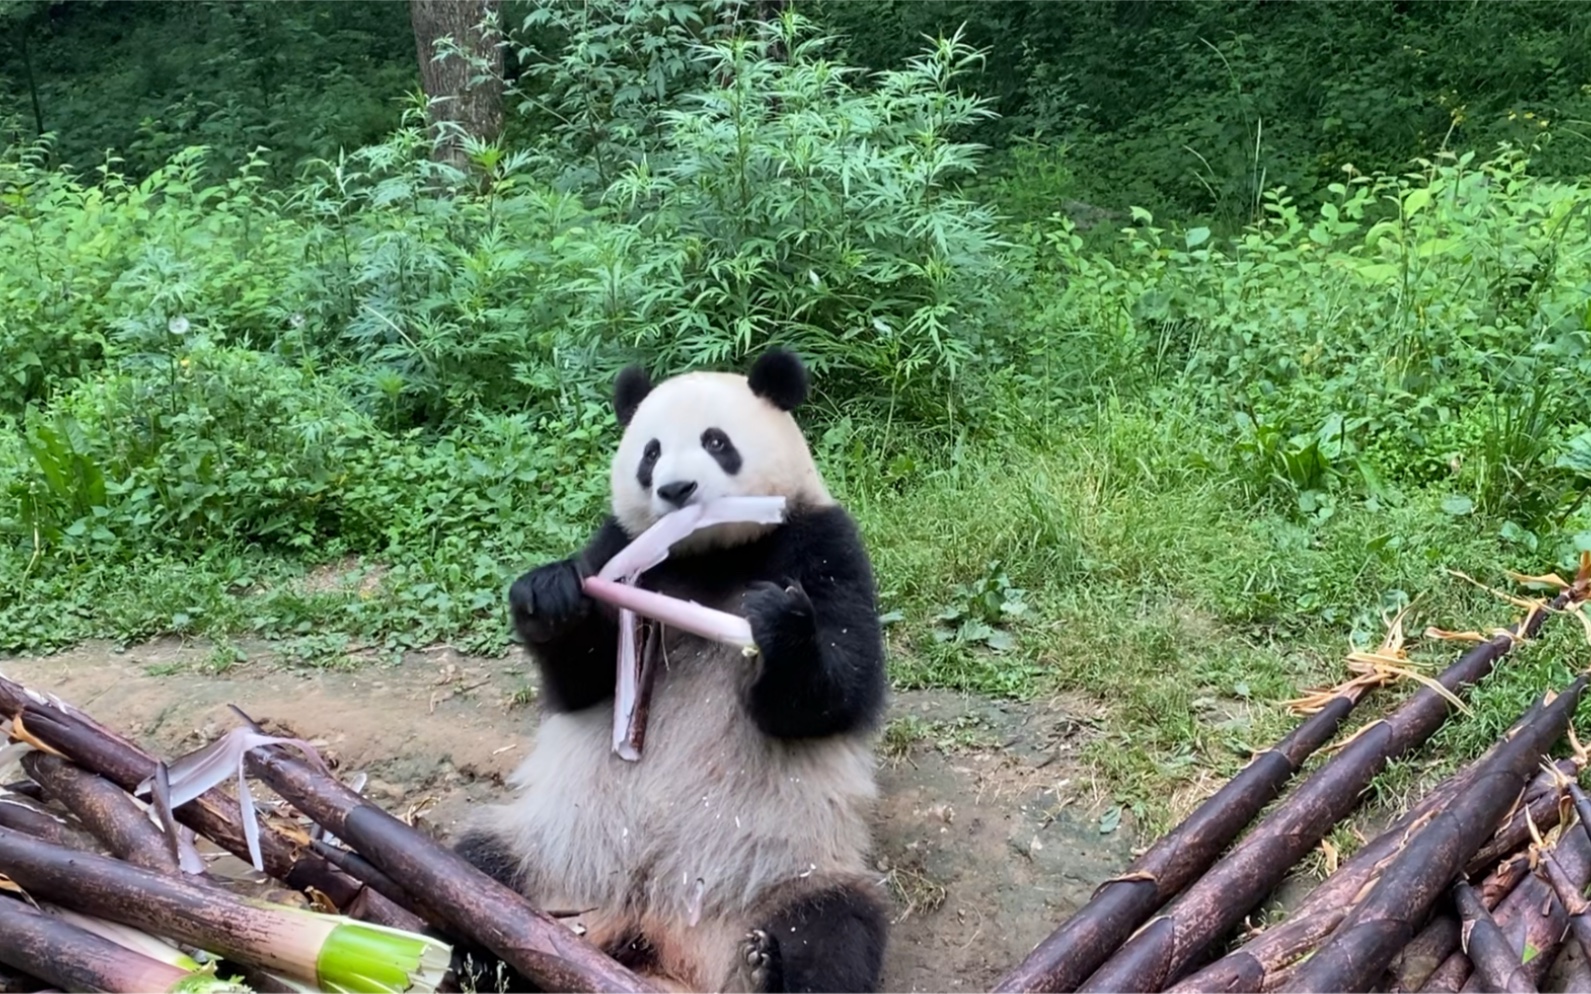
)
(1110, 820)
(1377, 272)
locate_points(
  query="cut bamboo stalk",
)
(1534, 922)
(1384, 920)
(1494, 958)
(1262, 962)
(13, 981)
(23, 817)
(1161, 951)
(1417, 961)
(1532, 918)
(24, 788)
(308, 946)
(497, 917)
(106, 811)
(1542, 801)
(1087, 938)
(78, 960)
(1542, 806)
(360, 869)
(1571, 896)
(1254, 965)
(212, 814)
(1449, 977)
(1582, 807)
(1576, 976)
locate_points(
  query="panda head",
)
(700, 436)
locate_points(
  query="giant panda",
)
(733, 854)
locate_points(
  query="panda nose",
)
(678, 492)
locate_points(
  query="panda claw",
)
(760, 955)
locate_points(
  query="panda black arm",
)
(573, 639)
(817, 629)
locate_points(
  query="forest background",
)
(1164, 350)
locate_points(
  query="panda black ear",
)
(779, 377)
(629, 390)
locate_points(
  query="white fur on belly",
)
(711, 816)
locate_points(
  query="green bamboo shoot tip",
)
(360, 956)
(305, 945)
(207, 983)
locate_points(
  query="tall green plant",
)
(791, 198)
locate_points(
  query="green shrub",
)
(787, 199)
(216, 444)
(1414, 323)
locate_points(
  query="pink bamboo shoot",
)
(615, 582)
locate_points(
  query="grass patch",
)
(1155, 588)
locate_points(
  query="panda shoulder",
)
(824, 531)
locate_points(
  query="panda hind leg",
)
(831, 939)
(490, 854)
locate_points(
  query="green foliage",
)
(821, 219)
(980, 610)
(392, 360)
(599, 77)
(1200, 107)
(783, 198)
(152, 78)
(1418, 330)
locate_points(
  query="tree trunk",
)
(27, 71)
(461, 104)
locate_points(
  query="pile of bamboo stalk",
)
(105, 884)
(101, 889)
(1479, 887)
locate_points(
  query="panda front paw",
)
(547, 600)
(760, 961)
(781, 618)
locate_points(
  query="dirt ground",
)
(988, 829)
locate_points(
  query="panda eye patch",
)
(649, 456)
(722, 450)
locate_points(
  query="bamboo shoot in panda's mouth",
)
(615, 584)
